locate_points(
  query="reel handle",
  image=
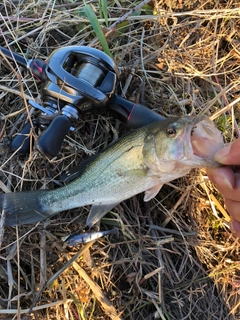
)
(50, 142)
(22, 141)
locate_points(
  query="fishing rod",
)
(75, 80)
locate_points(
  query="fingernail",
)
(223, 182)
(235, 227)
(222, 154)
(227, 184)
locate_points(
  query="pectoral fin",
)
(97, 212)
(152, 192)
(133, 173)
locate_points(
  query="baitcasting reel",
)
(75, 80)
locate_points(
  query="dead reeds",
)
(176, 257)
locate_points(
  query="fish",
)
(84, 237)
(143, 160)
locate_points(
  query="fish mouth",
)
(204, 138)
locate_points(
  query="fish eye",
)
(171, 132)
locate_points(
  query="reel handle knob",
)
(50, 142)
(22, 140)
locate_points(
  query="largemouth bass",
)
(141, 161)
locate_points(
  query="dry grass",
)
(176, 257)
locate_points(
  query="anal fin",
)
(98, 211)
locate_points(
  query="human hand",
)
(227, 181)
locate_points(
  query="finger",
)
(223, 177)
(226, 181)
(233, 207)
(235, 227)
(230, 154)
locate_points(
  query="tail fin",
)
(24, 207)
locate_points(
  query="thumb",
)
(230, 154)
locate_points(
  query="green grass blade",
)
(97, 28)
(103, 7)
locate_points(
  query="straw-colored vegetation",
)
(175, 257)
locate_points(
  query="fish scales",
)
(105, 177)
(143, 160)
